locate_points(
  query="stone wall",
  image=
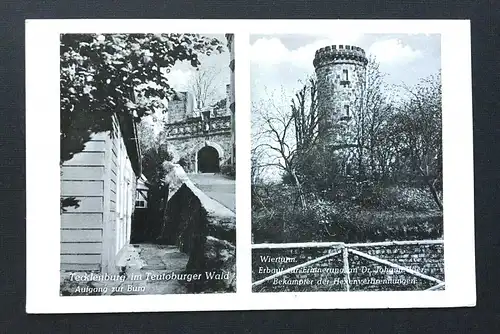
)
(187, 137)
(365, 275)
(180, 107)
(231, 106)
(201, 228)
(186, 148)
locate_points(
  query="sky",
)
(181, 75)
(278, 62)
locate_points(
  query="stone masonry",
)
(188, 130)
(365, 275)
(341, 77)
(230, 103)
(202, 228)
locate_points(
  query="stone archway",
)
(208, 160)
(198, 149)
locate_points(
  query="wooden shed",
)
(103, 178)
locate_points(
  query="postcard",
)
(341, 178)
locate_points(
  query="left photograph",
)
(147, 164)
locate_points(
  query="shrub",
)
(404, 198)
(229, 170)
(275, 218)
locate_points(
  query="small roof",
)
(142, 180)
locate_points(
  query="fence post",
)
(345, 256)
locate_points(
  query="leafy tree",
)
(152, 162)
(146, 135)
(117, 73)
(127, 74)
(288, 140)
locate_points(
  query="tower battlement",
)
(335, 53)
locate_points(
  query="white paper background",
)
(43, 178)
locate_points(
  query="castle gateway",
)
(201, 138)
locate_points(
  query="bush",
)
(229, 170)
(183, 162)
(276, 217)
(279, 217)
(403, 198)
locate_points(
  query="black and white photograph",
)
(147, 164)
(347, 166)
(347, 173)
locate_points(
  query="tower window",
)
(345, 75)
(346, 111)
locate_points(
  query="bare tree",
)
(205, 86)
(257, 168)
(420, 129)
(371, 112)
(305, 114)
(275, 140)
(283, 135)
(378, 111)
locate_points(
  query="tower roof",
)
(332, 53)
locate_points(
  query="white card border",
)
(42, 170)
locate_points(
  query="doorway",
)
(208, 160)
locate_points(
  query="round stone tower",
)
(341, 78)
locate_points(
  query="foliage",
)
(381, 181)
(418, 129)
(397, 197)
(220, 105)
(285, 136)
(146, 135)
(274, 219)
(229, 170)
(103, 74)
(124, 73)
(69, 202)
(152, 161)
(319, 171)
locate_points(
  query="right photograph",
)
(346, 170)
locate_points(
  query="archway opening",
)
(208, 160)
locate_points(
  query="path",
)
(152, 267)
(216, 186)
